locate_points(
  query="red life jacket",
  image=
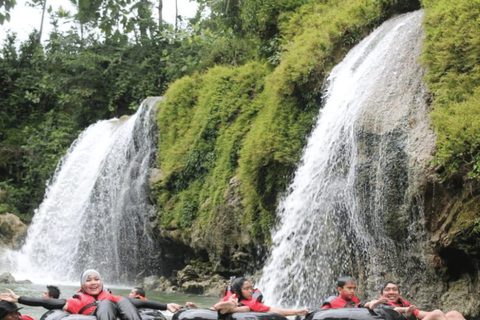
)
(339, 302)
(399, 303)
(83, 303)
(25, 317)
(255, 305)
(227, 295)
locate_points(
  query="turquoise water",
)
(36, 290)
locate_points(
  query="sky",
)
(24, 18)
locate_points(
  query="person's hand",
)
(374, 303)
(173, 307)
(191, 305)
(234, 300)
(302, 312)
(9, 296)
(410, 310)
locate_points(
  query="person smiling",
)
(92, 299)
(390, 296)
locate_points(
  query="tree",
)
(5, 7)
(42, 4)
(144, 17)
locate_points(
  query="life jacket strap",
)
(86, 307)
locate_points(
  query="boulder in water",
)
(7, 277)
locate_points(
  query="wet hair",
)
(139, 291)
(7, 307)
(344, 280)
(386, 283)
(237, 285)
(53, 291)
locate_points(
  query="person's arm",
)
(411, 310)
(289, 312)
(374, 303)
(172, 307)
(49, 304)
(225, 305)
(230, 306)
(236, 309)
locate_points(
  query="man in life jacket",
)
(346, 287)
(137, 293)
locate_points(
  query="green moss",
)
(452, 55)
(203, 124)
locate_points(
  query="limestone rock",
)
(187, 274)
(7, 277)
(12, 231)
(155, 176)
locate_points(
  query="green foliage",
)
(202, 126)
(5, 7)
(50, 94)
(452, 55)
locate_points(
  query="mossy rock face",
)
(451, 53)
(452, 218)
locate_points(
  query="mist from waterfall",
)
(354, 188)
(96, 209)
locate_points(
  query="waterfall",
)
(353, 207)
(96, 210)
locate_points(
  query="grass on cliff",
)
(452, 54)
(251, 122)
(202, 127)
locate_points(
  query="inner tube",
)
(208, 314)
(385, 313)
(146, 314)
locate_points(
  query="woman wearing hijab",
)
(92, 299)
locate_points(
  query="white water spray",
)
(354, 180)
(96, 208)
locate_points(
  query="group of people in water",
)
(94, 299)
(389, 298)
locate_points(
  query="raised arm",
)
(374, 303)
(49, 304)
(172, 307)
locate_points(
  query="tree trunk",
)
(41, 21)
(160, 13)
(176, 16)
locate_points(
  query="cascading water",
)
(96, 208)
(352, 208)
